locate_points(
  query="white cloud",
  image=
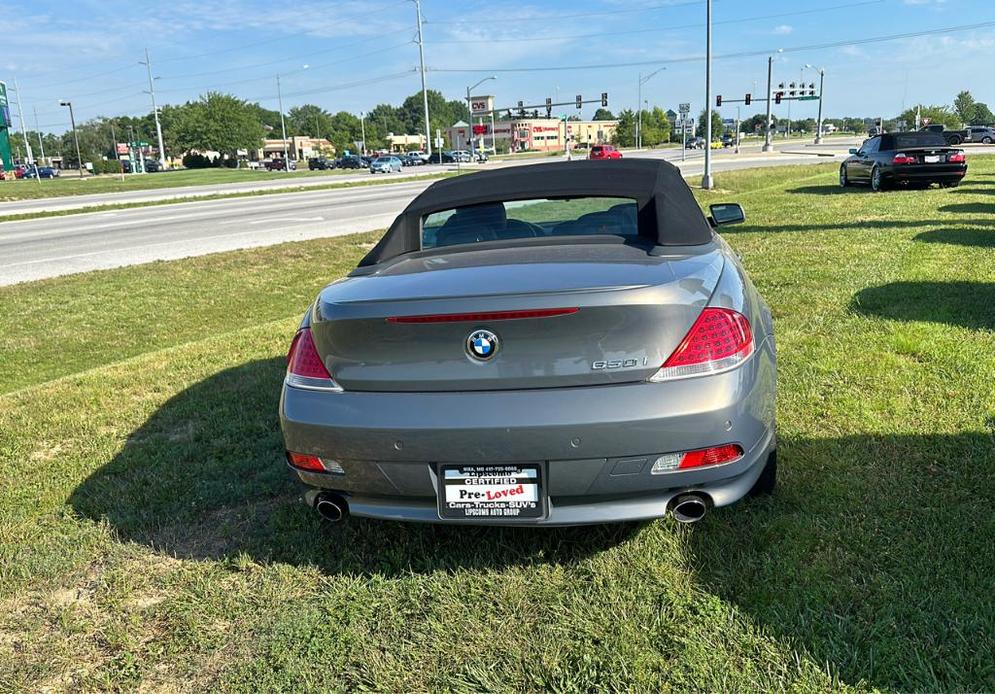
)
(782, 30)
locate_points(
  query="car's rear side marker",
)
(484, 316)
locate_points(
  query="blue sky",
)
(360, 53)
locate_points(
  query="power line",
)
(779, 15)
(741, 54)
(556, 16)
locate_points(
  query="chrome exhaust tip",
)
(332, 507)
(689, 508)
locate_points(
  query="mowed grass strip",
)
(150, 536)
(69, 183)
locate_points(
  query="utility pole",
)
(41, 143)
(768, 145)
(362, 124)
(822, 84)
(72, 119)
(24, 131)
(706, 179)
(155, 110)
(424, 88)
(283, 125)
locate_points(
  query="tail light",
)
(957, 158)
(305, 368)
(903, 158)
(705, 457)
(719, 340)
(312, 463)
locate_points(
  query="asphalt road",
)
(48, 247)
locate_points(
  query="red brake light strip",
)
(484, 316)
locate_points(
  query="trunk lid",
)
(609, 314)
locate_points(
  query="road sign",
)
(140, 143)
(684, 108)
(808, 98)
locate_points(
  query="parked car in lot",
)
(531, 347)
(412, 159)
(281, 165)
(350, 162)
(952, 137)
(981, 133)
(152, 166)
(320, 164)
(441, 157)
(19, 171)
(696, 143)
(604, 152)
(40, 172)
(728, 140)
(913, 159)
(481, 156)
(385, 165)
(462, 156)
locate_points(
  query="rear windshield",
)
(524, 219)
(918, 139)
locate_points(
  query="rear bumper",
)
(596, 445)
(922, 174)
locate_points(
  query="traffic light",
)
(604, 99)
(749, 99)
(777, 97)
(580, 101)
(718, 100)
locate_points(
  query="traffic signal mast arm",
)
(547, 105)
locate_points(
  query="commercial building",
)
(403, 143)
(298, 147)
(532, 134)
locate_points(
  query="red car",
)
(604, 152)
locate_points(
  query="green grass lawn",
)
(69, 184)
(151, 538)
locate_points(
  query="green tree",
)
(982, 115)
(964, 105)
(935, 114)
(656, 127)
(717, 127)
(217, 122)
(603, 114)
(309, 120)
(625, 133)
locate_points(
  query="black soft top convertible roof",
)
(667, 212)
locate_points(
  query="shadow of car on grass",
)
(204, 478)
(959, 237)
(965, 304)
(827, 563)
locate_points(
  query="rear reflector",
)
(719, 340)
(482, 317)
(705, 457)
(305, 368)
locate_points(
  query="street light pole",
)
(822, 84)
(283, 124)
(41, 143)
(639, 106)
(72, 119)
(706, 180)
(469, 109)
(155, 109)
(362, 125)
(424, 88)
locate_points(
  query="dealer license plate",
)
(932, 158)
(491, 492)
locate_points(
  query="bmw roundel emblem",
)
(482, 345)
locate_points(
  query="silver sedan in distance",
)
(385, 165)
(555, 344)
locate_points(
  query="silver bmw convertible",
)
(555, 344)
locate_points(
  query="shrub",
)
(196, 161)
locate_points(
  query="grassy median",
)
(69, 183)
(151, 538)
